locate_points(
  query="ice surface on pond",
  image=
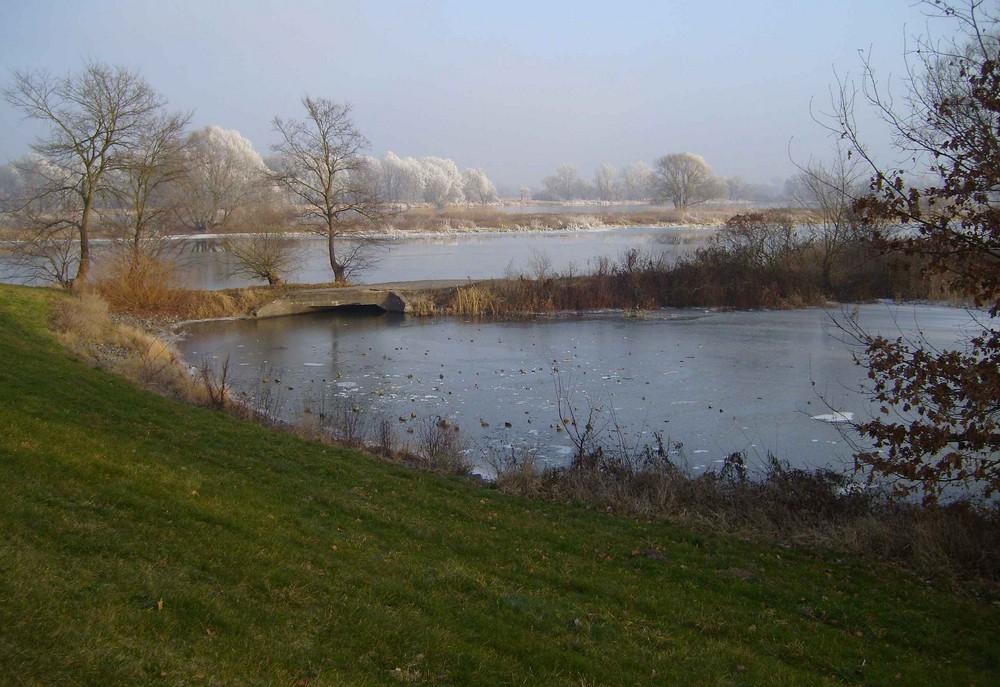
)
(739, 381)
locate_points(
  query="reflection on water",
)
(717, 382)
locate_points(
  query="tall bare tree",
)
(137, 189)
(320, 163)
(93, 116)
(829, 190)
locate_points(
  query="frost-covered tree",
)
(11, 186)
(400, 179)
(93, 116)
(442, 182)
(321, 165)
(565, 184)
(636, 181)
(223, 173)
(605, 181)
(478, 188)
(684, 179)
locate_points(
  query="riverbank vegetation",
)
(757, 260)
(767, 259)
(151, 542)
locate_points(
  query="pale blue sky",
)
(515, 87)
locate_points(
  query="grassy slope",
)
(146, 542)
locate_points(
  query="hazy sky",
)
(516, 87)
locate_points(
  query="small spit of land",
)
(151, 542)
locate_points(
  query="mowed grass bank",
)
(149, 542)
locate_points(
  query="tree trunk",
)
(83, 269)
(339, 270)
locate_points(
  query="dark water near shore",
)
(717, 382)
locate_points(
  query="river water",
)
(454, 256)
(203, 265)
(717, 382)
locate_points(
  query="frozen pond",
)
(717, 382)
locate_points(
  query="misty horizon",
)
(516, 91)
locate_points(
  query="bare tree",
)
(830, 190)
(93, 116)
(138, 210)
(321, 166)
(48, 247)
(684, 179)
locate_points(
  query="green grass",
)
(148, 542)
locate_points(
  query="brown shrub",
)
(140, 283)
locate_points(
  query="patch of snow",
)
(836, 417)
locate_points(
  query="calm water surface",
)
(463, 256)
(204, 265)
(717, 382)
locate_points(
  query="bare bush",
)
(216, 382)
(269, 256)
(262, 400)
(765, 240)
(441, 447)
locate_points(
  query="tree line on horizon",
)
(115, 157)
(679, 179)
